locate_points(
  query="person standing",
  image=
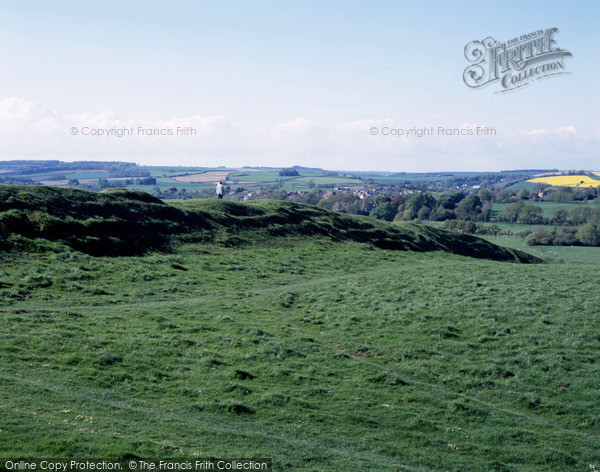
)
(220, 190)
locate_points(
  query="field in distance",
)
(567, 181)
(205, 177)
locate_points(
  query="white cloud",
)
(35, 131)
(298, 126)
(560, 131)
(16, 110)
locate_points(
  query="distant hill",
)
(132, 222)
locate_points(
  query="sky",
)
(331, 84)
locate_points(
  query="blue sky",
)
(292, 83)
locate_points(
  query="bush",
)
(530, 214)
(539, 237)
(423, 213)
(566, 238)
(441, 214)
(491, 229)
(461, 226)
(588, 235)
(580, 215)
(405, 215)
(560, 196)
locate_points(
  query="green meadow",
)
(324, 341)
(548, 208)
(573, 254)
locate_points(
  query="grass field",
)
(199, 179)
(257, 176)
(510, 227)
(330, 180)
(523, 184)
(326, 355)
(391, 178)
(210, 177)
(93, 174)
(300, 182)
(548, 208)
(515, 227)
(577, 254)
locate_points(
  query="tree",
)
(423, 213)
(539, 237)
(468, 208)
(341, 203)
(441, 214)
(490, 229)
(312, 198)
(398, 200)
(588, 235)
(288, 172)
(566, 238)
(385, 211)
(406, 215)
(485, 195)
(511, 212)
(584, 194)
(504, 196)
(564, 195)
(361, 206)
(580, 215)
(418, 200)
(461, 226)
(379, 199)
(450, 200)
(560, 217)
(523, 194)
(486, 211)
(531, 215)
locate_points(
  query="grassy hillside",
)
(127, 223)
(325, 356)
(325, 353)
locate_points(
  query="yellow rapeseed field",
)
(567, 180)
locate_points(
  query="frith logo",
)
(514, 63)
